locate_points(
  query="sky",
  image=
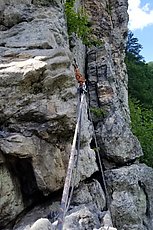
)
(141, 24)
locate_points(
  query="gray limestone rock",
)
(105, 228)
(11, 203)
(108, 96)
(80, 218)
(38, 104)
(131, 191)
(49, 208)
(85, 217)
(41, 224)
(38, 110)
(114, 135)
(90, 193)
(86, 209)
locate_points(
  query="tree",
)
(140, 86)
(133, 48)
(140, 74)
(150, 65)
(142, 127)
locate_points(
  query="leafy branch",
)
(78, 23)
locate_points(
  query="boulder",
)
(131, 191)
(90, 193)
(41, 224)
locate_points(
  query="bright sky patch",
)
(139, 16)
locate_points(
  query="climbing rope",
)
(100, 162)
(77, 155)
(65, 202)
(102, 171)
(74, 156)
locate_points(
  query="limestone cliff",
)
(38, 107)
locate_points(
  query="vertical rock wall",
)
(130, 193)
(108, 83)
(37, 107)
(38, 101)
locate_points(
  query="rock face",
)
(107, 80)
(38, 110)
(37, 106)
(131, 189)
(113, 132)
(108, 83)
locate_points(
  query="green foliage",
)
(140, 81)
(109, 8)
(98, 112)
(78, 23)
(141, 97)
(150, 64)
(96, 149)
(142, 127)
(150, 67)
(140, 74)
